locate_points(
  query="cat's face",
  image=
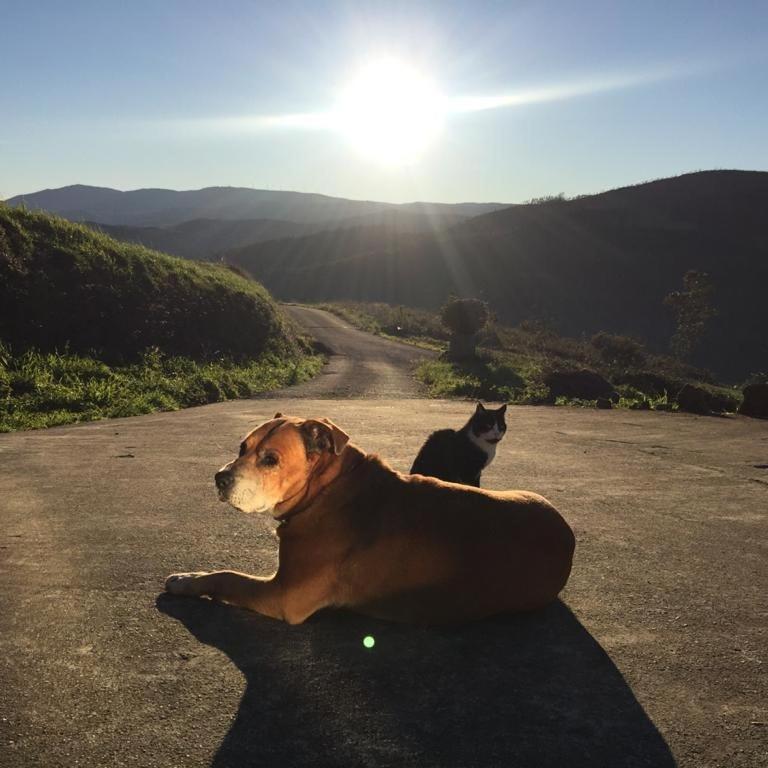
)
(488, 424)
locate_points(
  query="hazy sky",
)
(168, 94)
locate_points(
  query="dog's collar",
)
(282, 520)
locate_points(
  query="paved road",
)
(655, 657)
(359, 364)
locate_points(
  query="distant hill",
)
(599, 262)
(206, 239)
(64, 286)
(167, 207)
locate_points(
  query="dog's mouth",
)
(224, 496)
(492, 439)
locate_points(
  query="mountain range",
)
(597, 262)
(202, 223)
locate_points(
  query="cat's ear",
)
(480, 408)
(502, 410)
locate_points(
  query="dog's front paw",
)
(184, 583)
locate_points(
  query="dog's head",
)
(277, 461)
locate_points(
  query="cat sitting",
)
(460, 456)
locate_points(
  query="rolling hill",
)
(93, 328)
(207, 239)
(167, 207)
(66, 287)
(599, 262)
(204, 239)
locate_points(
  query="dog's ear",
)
(480, 408)
(323, 435)
(278, 415)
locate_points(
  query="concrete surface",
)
(656, 655)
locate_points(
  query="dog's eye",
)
(242, 449)
(270, 460)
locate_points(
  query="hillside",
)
(599, 262)
(168, 207)
(92, 328)
(206, 239)
(64, 286)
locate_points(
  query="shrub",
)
(620, 351)
(464, 316)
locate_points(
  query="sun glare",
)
(390, 112)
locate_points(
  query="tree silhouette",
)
(692, 308)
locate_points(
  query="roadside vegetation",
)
(93, 328)
(531, 364)
(43, 389)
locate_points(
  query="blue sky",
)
(138, 94)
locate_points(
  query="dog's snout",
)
(224, 479)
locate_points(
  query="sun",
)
(390, 112)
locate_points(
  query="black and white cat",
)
(460, 455)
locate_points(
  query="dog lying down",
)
(354, 533)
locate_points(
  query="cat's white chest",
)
(481, 441)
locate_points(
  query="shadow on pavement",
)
(526, 690)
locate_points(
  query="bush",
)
(464, 316)
(620, 351)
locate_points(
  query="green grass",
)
(141, 331)
(63, 285)
(43, 389)
(513, 363)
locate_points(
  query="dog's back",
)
(440, 552)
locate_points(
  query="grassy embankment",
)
(513, 364)
(93, 328)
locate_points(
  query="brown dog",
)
(354, 533)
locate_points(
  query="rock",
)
(720, 403)
(693, 400)
(604, 403)
(755, 402)
(585, 385)
(697, 400)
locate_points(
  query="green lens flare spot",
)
(368, 641)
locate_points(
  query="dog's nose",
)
(223, 479)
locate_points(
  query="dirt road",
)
(359, 364)
(656, 655)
